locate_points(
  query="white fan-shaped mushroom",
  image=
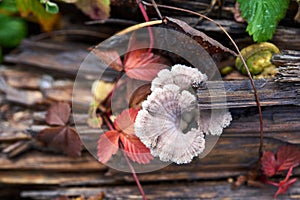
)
(158, 125)
(170, 123)
(164, 77)
(184, 76)
(214, 121)
(180, 75)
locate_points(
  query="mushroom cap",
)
(214, 121)
(158, 125)
(180, 75)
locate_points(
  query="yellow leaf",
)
(35, 11)
(96, 9)
(101, 89)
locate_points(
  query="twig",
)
(107, 121)
(141, 6)
(243, 60)
(138, 26)
(156, 9)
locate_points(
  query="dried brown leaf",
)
(210, 45)
(58, 114)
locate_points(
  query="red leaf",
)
(125, 121)
(108, 145)
(139, 63)
(135, 149)
(283, 187)
(63, 138)
(58, 114)
(145, 71)
(284, 184)
(110, 58)
(287, 156)
(268, 163)
(47, 135)
(71, 143)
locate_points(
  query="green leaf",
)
(1, 56)
(263, 16)
(52, 8)
(35, 11)
(8, 6)
(95, 9)
(12, 31)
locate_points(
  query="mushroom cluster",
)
(170, 123)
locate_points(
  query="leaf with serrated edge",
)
(108, 145)
(263, 16)
(141, 64)
(268, 163)
(135, 149)
(125, 121)
(287, 156)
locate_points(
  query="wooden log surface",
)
(197, 190)
(32, 172)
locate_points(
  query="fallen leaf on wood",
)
(210, 45)
(62, 137)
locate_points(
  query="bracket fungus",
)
(170, 123)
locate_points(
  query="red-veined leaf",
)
(134, 45)
(287, 156)
(268, 163)
(141, 64)
(135, 149)
(125, 121)
(146, 72)
(108, 145)
(58, 114)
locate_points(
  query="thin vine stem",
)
(261, 144)
(111, 127)
(135, 176)
(151, 38)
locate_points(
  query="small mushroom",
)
(158, 125)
